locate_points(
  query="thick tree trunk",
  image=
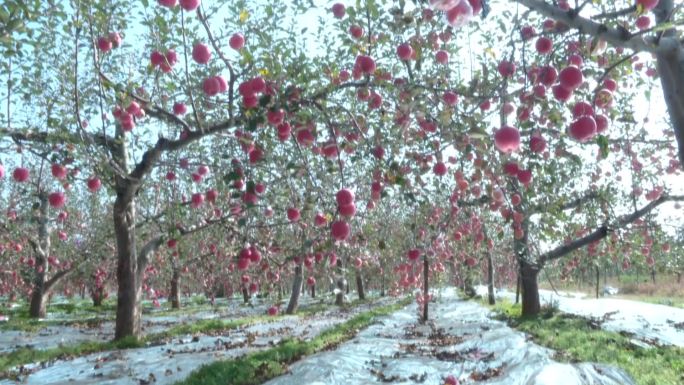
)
(426, 290)
(359, 285)
(670, 65)
(296, 290)
(38, 306)
(129, 288)
(530, 290)
(313, 291)
(174, 295)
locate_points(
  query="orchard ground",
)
(462, 338)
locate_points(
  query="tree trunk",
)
(490, 279)
(39, 293)
(653, 275)
(175, 295)
(598, 280)
(339, 296)
(38, 306)
(245, 294)
(97, 297)
(530, 290)
(426, 290)
(296, 290)
(359, 285)
(517, 288)
(313, 291)
(679, 277)
(129, 288)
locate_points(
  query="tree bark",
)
(245, 294)
(426, 289)
(129, 291)
(490, 279)
(530, 289)
(38, 306)
(339, 297)
(679, 277)
(598, 280)
(296, 290)
(174, 294)
(359, 285)
(517, 287)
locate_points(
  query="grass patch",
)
(258, 367)
(574, 340)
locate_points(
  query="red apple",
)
(404, 51)
(20, 174)
(293, 214)
(507, 139)
(189, 5)
(544, 45)
(340, 231)
(94, 184)
(201, 53)
(344, 197)
(338, 10)
(237, 41)
(570, 77)
(583, 128)
(57, 199)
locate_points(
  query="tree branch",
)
(614, 36)
(604, 230)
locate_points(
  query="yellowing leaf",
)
(244, 15)
(264, 72)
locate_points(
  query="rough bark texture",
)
(529, 272)
(39, 292)
(530, 289)
(129, 288)
(174, 295)
(359, 285)
(296, 290)
(313, 291)
(38, 306)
